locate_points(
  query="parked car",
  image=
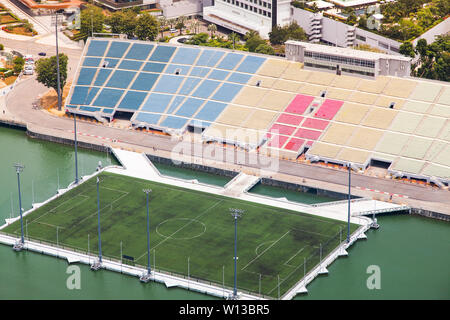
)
(43, 54)
(173, 30)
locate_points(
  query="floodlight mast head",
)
(236, 213)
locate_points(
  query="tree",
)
(295, 32)
(129, 23)
(279, 35)
(234, 38)
(162, 24)
(264, 48)
(18, 63)
(181, 23)
(212, 28)
(195, 25)
(407, 49)
(253, 40)
(91, 20)
(2, 47)
(146, 27)
(198, 39)
(46, 71)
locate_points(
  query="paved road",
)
(19, 104)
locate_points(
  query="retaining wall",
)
(193, 166)
(302, 188)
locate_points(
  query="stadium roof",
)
(268, 103)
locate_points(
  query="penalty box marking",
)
(265, 250)
(287, 262)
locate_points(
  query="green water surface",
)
(412, 252)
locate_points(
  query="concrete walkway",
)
(137, 165)
(240, 184)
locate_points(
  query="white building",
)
(336, 33)
(374, 21)
(347, 61)
(242, 16)
(189, 8)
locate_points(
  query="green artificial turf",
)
(273, 243)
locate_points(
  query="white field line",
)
(265, 250)
(169, 237)
(106, 206)
(287, 262)
(51, 225)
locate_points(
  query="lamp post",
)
(236, 213)
(97, 265)
(19, 169)
(146, 277)
(349, 201)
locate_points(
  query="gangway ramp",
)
(240, 184)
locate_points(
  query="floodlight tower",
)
(19, 169)
(146, 276)
(236, 213)
(97, 264)
(349, 200)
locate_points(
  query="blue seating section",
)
(86, 75)
(186, 56)
(211, 111)
(92, 62)
(102, 75)
(97, 48)
(144, 81)
(162, 53)
(230, 61)
(156, 102)
(132, 100)
(154, 67)
(165, 86)
(189, 85)
(108, 98)
(130, 65)
(168, 83)
(117, 49)
(174, 122)
(139, 51)
(120, 79)
(206, 88)
(227, 92)
(150, 118)
(251, 64)
(189, 107)
(181, 69)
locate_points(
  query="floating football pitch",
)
(273, 243)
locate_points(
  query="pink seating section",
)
(294, 144)
(277, 141)
(315, 124)
(282, 129)
(301, 130)
(299, 104)
(308, 134)
(328, 109)
(290, 119)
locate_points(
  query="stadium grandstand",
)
(269, 105)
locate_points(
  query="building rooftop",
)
(347, 52)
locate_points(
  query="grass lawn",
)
(272, 242)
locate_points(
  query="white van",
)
(28, 70)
